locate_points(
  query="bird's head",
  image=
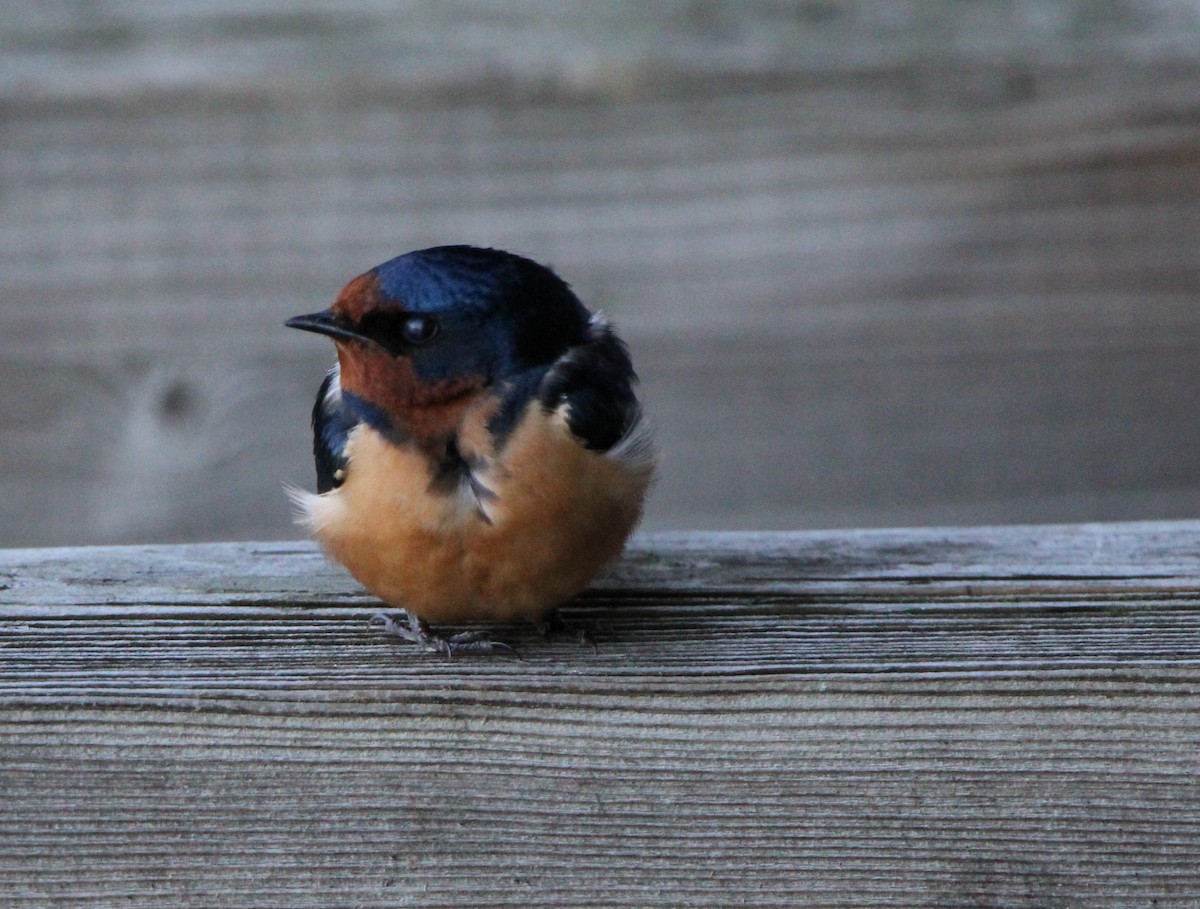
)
(423, 335)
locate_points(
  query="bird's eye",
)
(419, 329)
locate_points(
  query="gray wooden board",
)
(1002, 717)
(878, 264)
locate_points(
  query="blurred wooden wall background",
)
(880, 263)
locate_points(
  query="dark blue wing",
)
(596, 381)
(331, 424)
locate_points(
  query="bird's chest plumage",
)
(520, 533)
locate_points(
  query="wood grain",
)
(988, 717)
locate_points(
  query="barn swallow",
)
(481, 452)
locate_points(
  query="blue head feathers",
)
(490, 311)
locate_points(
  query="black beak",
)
(326, 322)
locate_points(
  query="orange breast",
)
(560, 513)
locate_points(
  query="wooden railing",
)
(984, 717)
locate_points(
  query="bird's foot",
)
(554, 625)
(417, 631)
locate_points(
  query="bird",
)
(481, 450)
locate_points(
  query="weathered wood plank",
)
(922, 265)
(993, 717)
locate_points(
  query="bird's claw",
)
(554, 625)
(417, 631)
